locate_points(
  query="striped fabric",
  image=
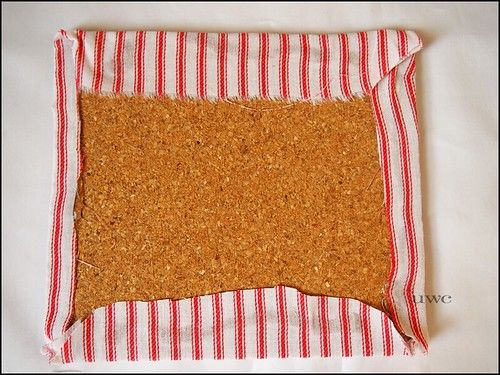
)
(292, 325)
(261, 323)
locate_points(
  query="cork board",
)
(179, 198)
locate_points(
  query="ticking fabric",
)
(256, 323)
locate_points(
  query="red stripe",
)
(239, 322)
(263, 64)
(402, 44)
(261, 326)
(118, 62)
(243, 65)
(345, 85)
(140, 41)
(60, 196)
(154, 350)
(196, 334)
(407, 209)
(131, 331)
(79, 68)
(109, 335)
(345, 328)
(303, 325)
(324, 326)
(88, 339)
(364, 72)
(67, 351)
(222, 65)
(324, 70)
(218, 326)
(382, 52)
(100, 38)
(304, 66)
(161, 37)
(364, 322)
(284, 63)
(80, 58)
(202, 65)
(181, 65)
(282, 322)
(175, 333)
(387, 336)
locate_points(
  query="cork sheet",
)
(179, 198)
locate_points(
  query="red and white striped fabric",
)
(261, 323)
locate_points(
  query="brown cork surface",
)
(189, 197)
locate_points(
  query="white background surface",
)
(457, 84)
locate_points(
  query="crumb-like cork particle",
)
(179, 198)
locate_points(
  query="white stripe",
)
(77, 342)
(191, 64)
(250, 324)
(334, 69)
(392, 48)
(207, 326)
(273, 64)
(163, 329)
(314, 330)
(185, 328)
(397, 342)
(121, 331)
(253, 65)
(354, 78)
(170, 63)
(335, 332)
(355, 327)
(293, 318)
(99, 329)
(150, 63)
(229, 325)
(314, 67)
(373, 67)
(88, 66)
(376, 330)
(232, 64)
(142, 325)
(294, 66)
(212, 63)
(272, 323)
(129, 62)
(108, 63)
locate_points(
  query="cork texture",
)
(179, 198)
